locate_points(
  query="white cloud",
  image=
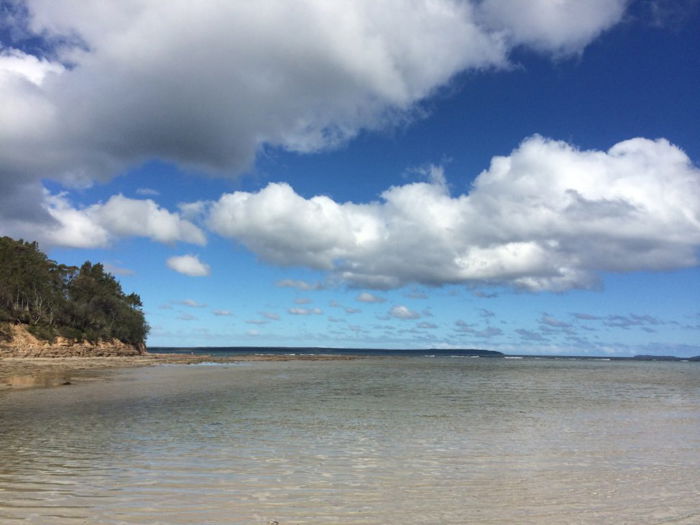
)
(222, 313)
(366, 297)
(561, 26)
(207, 85)
(147, 191)
(553, 322)
(192, 210)
(305, 311)
(122, 216)
(403, 312)
(18, 66)
(547, 217)
(101, 224)
(191, 303)
(300, 285)
(188, 265)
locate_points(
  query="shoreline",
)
(45, 372)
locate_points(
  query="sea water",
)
(396, 440)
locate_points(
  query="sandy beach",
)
(32, 372)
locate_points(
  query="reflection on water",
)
(399, 440)
(37, 380)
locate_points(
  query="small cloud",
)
(427, 325)
(165, 307)
(587, 317)
(366, 297)
(117, 270)
(529, 335)
(300, 285)
(463, 326)
(147, 191)
(627, 321)
(488, 332)
(670, 14)
(190, 302)
(188, 265)
(192, 210)
(548, 320)
(253, 333)
(186, 317)
(257, 321)
(222, 313)
(433, 173)
(485, 295)
(486, 314)
(415, 294)
(351, 310)
(403, 312)
(270, 315)
(302, 300)
(305, 311)
(336, 320)
(468, 328)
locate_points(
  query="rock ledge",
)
(22, 343)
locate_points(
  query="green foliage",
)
(83, 303)
(42, 331)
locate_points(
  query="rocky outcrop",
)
(21, 343)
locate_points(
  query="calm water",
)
(395, 440)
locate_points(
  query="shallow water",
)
(395, 440)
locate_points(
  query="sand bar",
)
(32, 372)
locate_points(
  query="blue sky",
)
(519, 176)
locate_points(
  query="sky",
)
(515, 175)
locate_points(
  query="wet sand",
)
(32, 372)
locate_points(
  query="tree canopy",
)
(53, 299)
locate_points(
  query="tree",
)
(55, 299)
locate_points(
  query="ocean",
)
(376, 440)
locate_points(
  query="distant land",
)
(647, 357)
(458, 352)
(324, 350)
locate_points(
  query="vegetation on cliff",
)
(52, 300)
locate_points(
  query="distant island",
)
(51, 309)
(650, 357)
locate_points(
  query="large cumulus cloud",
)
(546, 217)
(99, 225)
(208, 84)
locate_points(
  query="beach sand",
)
(32, 372)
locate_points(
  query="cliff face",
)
(22, 343)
